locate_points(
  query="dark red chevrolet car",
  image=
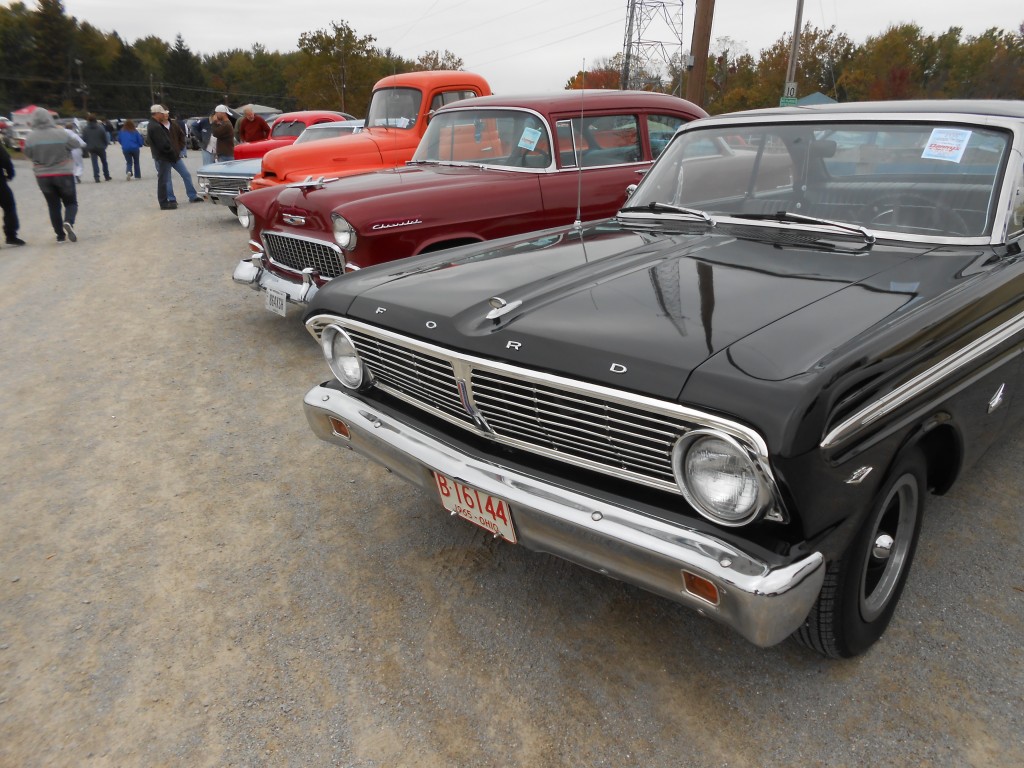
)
(486, 168)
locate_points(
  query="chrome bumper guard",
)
(260, 279)
(762, 603)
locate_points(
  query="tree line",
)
(51, 59)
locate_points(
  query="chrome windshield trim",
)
(925, 380)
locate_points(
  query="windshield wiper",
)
(656, 207)
(799, 218)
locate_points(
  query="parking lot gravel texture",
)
(188, 577)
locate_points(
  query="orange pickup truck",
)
(394, 126)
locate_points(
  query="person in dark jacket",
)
(7, 199)
(96, 141)
(131, 142)
(160, 146)
(178, 141)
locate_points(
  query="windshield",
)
(911, 178)
(287, 128)
(394, 108)
(507, 137)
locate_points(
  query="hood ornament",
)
(294, 220)
(500, 307)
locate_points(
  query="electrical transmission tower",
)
(653, 43)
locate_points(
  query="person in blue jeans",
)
(178, 141)
(96, 141)
(131, 142)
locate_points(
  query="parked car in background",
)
(737, 392)
(221, 183)
(7, 133)
(285, 129)
(486, 168)
(397, 118)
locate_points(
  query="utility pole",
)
(627, 58)
(789, 92)
(700, 45)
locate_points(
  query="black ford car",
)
(737, 392)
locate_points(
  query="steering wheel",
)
(908, 210)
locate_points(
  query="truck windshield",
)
(395, 108)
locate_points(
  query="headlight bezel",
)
(354, 378)
(244, 216)
(762, 497)
(343, 232)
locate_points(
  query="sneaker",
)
(61, 239)
(70, 229)
(168, 206)
(196, 200)
(107, 178)
(15, 241)
(128, 177)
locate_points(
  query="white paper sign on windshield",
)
(946, 144)
(530, 138)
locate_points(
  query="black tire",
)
(861, 590)
(233, 209)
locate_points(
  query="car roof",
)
(309, 114)
(986, 107)
(428, 79)
(588, 99)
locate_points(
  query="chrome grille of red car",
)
(298, 253)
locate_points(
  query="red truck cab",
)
(395, 123)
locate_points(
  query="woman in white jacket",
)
(76, 154)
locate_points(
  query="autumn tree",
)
(336, 68)
(433, 61)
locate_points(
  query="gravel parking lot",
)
(189, 577)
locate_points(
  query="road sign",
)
(787, 102)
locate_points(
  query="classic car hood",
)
(248, 167)
(321, 158)
(628, 308)
(411, 180)
(257, 149)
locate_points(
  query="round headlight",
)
(244, 215)
(344, 233)
(719, 478)
(342, 357)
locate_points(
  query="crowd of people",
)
(58, 155)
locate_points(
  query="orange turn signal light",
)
(700, 587)
(340, 427)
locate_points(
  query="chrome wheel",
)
(892, 538)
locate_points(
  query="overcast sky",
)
(529, 45)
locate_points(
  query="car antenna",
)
(578, 224)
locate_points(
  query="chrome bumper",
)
(763, 604)
(259, 279)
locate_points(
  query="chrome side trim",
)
(906, 392)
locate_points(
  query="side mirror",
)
(630, 190)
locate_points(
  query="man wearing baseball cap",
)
(159, 134)
(221, 128)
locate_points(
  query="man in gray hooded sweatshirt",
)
(49, 147)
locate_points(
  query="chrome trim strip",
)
(924, 381)
(764, 604)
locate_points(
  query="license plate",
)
(489, 512)
(277, 302)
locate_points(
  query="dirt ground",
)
(188, 577)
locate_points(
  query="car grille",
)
(227, 187)
(599, 428)
(298, 253)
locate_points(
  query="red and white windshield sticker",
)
(946, 144)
